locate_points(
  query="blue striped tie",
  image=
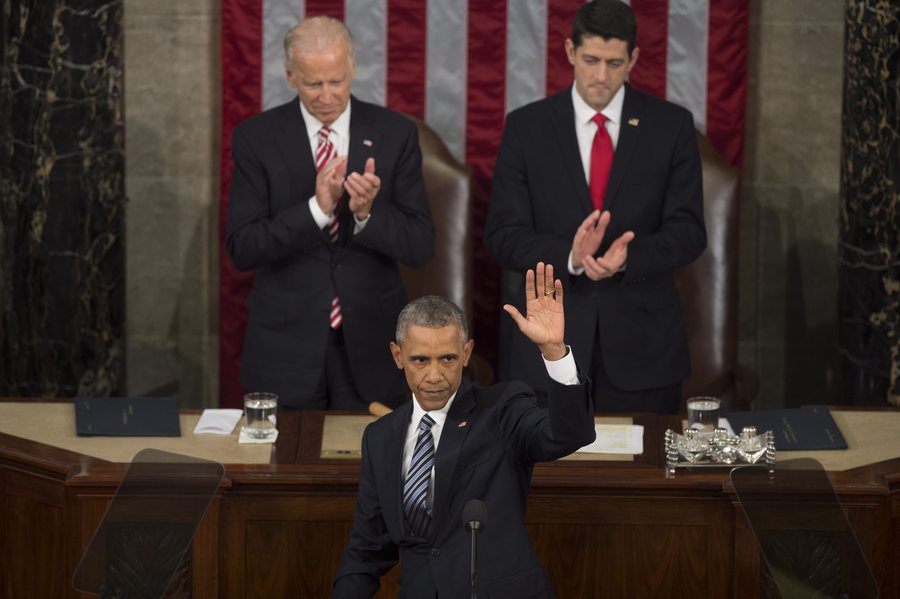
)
(415, 489)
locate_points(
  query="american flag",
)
(461, 65)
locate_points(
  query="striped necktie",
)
(418, 478)
(325, 152)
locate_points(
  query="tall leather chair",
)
(709, 292)
(448, 187)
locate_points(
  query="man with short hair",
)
(455, 442)
(604, 182)
(326, 198)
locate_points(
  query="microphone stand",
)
(473, 564)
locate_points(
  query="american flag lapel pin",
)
(462, 423)
(634, 122)
(367, 143)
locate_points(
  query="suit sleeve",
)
(681, 236)
(546, 434)
(400, 226)
(370, 552)
(255, 235)
(511, 235)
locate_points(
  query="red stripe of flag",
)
(560, 14)
(726, 78)
(486, 99)
(406, 55)
(241, 99)
(332, 8)
(649, 74)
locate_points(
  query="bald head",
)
(316, 35)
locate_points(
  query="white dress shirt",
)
(340, 138)
(586, 129)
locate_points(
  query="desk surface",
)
(871, 437)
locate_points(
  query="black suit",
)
(298, 269)
(490, 441)
(540, 197)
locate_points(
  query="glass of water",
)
(703, 413)
(259, 414)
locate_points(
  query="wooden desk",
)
(602, 529)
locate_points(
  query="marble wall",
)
(172, 119)
(62, 255)
(869, 301)
(789, 223)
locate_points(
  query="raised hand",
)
(545, 323)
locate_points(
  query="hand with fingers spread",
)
(545, 323)
(330, 183)
(362, 189)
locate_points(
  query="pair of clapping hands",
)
(361, 188)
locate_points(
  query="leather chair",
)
(709, 291)
(448, 187)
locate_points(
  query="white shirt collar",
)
(439, 415)
(613, 111)
(341, 125)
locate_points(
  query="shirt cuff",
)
(563, 371)
(320, 217)
(359, 225)
(572, 269)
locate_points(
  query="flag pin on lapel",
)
(634, 122)
(461, 424)
(367, 142)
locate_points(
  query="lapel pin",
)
(461, 424)
(634, 122)
(367, 142)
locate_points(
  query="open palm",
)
(545, 322)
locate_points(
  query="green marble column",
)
(62, 293)
(869, 293)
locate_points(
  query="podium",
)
(276, 526)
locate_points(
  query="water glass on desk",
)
(703, 413)
(259, 414)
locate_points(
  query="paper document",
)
(617, 438)
(218, 422)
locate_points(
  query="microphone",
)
(474, 517)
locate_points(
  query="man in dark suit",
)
(326, 197)
(456, 442)
(618, 205)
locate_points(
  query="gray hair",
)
(431, 312)
(318, 33)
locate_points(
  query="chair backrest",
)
(448, 186)
(709, 286)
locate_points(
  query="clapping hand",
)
(545, 323)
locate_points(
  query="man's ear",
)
(467, 351)
(398, 355)
(570, 51)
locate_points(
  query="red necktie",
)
(324, 153)
(601, 161)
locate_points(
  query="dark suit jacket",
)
(540, 197)
(298, 269)
(491, 439)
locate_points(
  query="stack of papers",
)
(218, 422)
(617, 438)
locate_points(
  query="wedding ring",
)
(549, 292)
